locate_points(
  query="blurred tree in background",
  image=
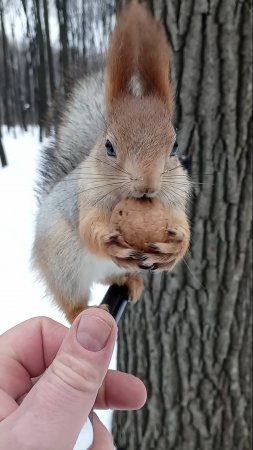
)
(38, 73)
(189, 338)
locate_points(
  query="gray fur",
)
(65, 264)
(82, 122)
(61, 202)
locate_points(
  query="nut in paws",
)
(147, 235)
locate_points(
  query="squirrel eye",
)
(174, 150)
(109, 149)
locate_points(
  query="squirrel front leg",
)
(93, 229)
(95, 235)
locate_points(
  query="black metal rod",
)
(116, 298)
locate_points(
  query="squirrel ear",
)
(138, 46)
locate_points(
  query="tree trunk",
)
(49, 50)
(84, 37)
(62, 12)
(3, 158)
(189, 338)
(42, 76)
(6, 77)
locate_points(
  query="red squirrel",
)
(116, 141)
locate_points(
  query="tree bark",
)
(189, 338)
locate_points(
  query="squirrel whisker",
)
(98, 173)
(101, 186)
(168, 200)
(179, 175)
(93, 178)
(115, 165)
(200, 285)
(170, 170)
(172, 199)
(185, 192)
(107, 193)
(176, 184)
(170, 191)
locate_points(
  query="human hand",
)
(73, 369)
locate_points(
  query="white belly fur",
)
(96, 270)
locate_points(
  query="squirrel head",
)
(142, 139)
(137, 154)
(137, 151)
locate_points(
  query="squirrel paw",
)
(134, 283)
(165, 255)
(135, 287)
(160, 256)
(123, 254)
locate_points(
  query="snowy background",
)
(21, 295)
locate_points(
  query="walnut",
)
(141, 221)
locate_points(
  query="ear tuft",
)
(138, 48)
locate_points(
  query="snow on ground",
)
(21, 295)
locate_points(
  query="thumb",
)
(57, 406)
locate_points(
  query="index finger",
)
(102, 438)
(26, 351)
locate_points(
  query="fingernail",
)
(93, 332)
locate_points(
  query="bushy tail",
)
(138, 46)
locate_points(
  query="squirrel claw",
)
(143, 267)
(111, 238)
(153, 247)
(121, 252)
(137, 255)
(115, 238)
(165, 248)
(172, 232)
(155, 267)
(175, 235)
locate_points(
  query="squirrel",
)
(116, 141)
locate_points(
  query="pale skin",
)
(51, 378)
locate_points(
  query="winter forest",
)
(190, 336)
(45, 47)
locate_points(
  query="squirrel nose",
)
(147, 192)
(146, 186)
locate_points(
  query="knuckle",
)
(76, 373)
